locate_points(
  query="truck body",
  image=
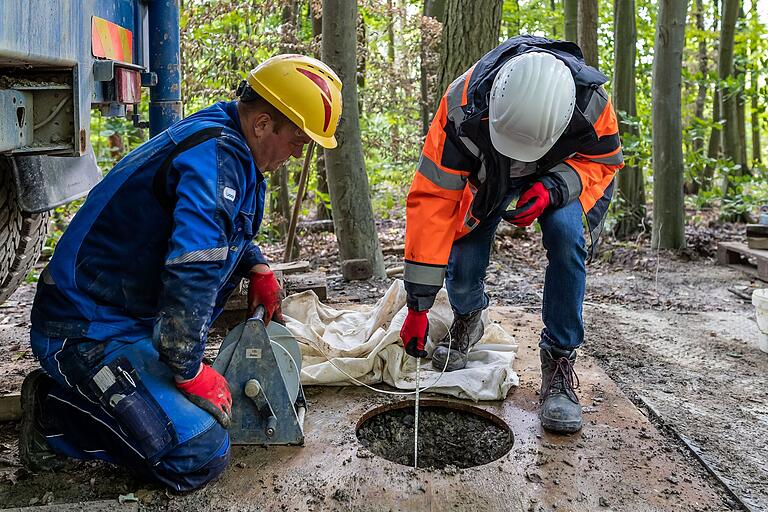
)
(58, 60)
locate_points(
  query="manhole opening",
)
(449, 434)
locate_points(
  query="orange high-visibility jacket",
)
(461, 178)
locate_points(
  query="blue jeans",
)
(564, 282)
(153, 430)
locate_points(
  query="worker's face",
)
(275, 146)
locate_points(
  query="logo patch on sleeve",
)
(229, 194)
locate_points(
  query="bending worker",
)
(529, 121)
(121, 314)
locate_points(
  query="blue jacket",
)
(160, 242)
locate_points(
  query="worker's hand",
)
(263, 289)
(529, 207)
(414, 333)
(209, 391)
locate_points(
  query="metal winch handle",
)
(259, 313)
(255, 392)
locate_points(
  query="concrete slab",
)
(620, 461)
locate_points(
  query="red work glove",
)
(529, 207)
(414, 333)
(264, 289)
(209, 391)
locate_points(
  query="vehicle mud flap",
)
(122, 393)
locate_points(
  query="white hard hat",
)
(532, 101)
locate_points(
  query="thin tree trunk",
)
(423, 73)
(630, 180)
(321, 211)
(553, 8)
(701, 96)
(729, 99)
(715, 141)
(716, 135)
(588, 17)
(741, 106)
(471, 29)
(280, 203)
(668, 207)
(348, 183)
(571, 20)
(754, 76)
(394, 127)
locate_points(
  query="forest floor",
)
(672, 330)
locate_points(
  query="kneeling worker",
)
(122, 310)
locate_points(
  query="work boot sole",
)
(34, 459)
(560, 426)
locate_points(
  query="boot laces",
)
(461, 333)
(564, 379)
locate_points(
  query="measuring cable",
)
(403, 393)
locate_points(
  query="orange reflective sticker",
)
(111, 41)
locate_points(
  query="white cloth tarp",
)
(366, 344)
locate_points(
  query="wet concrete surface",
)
(619, 461)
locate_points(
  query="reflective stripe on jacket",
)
(160, 242)
(461, 178)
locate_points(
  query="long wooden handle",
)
(297, 205)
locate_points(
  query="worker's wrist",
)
(180, 380)
(260, 268)
(413, 311)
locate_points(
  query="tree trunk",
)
(701, 96)
(716, 135)
(280, 199)
(715, 141)
(741, 106)
(571, 20)
(754, 76)
(424, 74)
(588, 31)
(345, 167)
(394, 126)
(471, 29)
(553, 8)
(668, 207)
(630, 180)
(321, 211)
(729, 100)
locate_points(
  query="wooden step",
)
(740, 255)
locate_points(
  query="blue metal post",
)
(164, 60)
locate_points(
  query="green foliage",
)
(223, 39)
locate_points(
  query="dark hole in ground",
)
(459, 436)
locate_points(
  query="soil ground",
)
(663, 326)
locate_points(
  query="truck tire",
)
(22, 235)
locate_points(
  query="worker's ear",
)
(261, 125)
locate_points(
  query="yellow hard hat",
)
(307, 91)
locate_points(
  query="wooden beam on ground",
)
(292, 267)
(397, 250)
(10, 407)
(395, 271)
(316, 226)
(737, 254)
(295, 283)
